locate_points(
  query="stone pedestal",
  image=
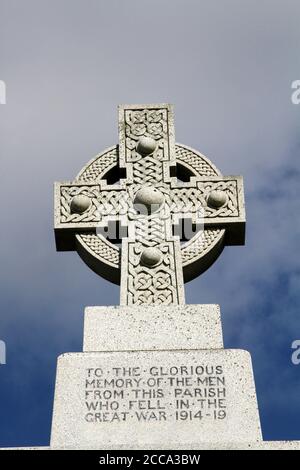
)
(154, 377)
(153, 327)
(137, 400)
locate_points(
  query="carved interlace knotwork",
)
(200, 244)
(156, 285)
(95, 170)
(145, 231)
(146, 170)
(181, 200)
(195, 161)
(111, 253)
(150, 231)
(146, 122)
(67, 193)
(102, 248)
(151, 257)
(193, 199)
(103, 203)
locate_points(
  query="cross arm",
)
(217, 202)
(81, 207)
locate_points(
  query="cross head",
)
(151, 187)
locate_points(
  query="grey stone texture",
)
(147, 399)
(259, 445)
(152, 328)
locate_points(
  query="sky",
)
(227, 66)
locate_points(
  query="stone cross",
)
(152, 187)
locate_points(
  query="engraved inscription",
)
(155, 393)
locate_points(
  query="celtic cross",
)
(149, 186)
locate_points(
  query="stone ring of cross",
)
(191, 210)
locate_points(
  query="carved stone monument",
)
(148, 201)
(150, 214)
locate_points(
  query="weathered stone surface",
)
(174, 184)
(152, 327)
(149, 399)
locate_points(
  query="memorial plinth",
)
(142, 399)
